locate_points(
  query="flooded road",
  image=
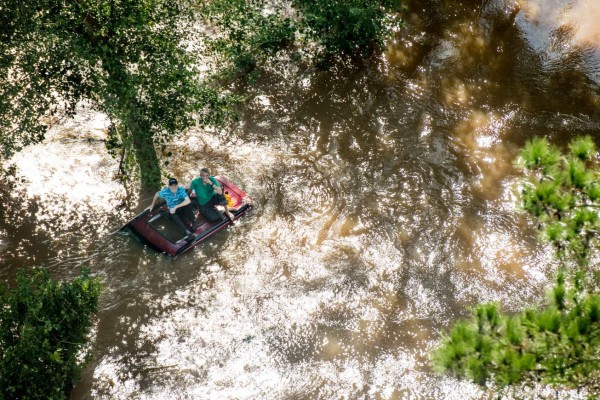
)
(386, 205)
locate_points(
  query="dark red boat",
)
(156, 229)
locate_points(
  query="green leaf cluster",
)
(349, 26)
(247, 35)
(44, 325)
(558, 345)
(562, 191)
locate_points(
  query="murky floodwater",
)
(385, 205)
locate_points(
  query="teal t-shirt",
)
(203, 192)
(171, 198)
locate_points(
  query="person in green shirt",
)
(208, 194)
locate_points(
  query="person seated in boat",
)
(180, 206)
(208, 194)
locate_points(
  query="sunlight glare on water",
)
(63, 189)
(557, 29)
(386, 205)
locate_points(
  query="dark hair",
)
(204, 170)
(172, 181)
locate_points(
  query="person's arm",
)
(153, 201)
(185, 202)
(193, 188)
(218, 189)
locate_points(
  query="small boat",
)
(154, 228)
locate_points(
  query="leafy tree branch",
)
(44, 327)
(557, 344)
(128, 58)
(562, 191)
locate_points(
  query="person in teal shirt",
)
(179, 205)
(208, 194)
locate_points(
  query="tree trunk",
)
(144, 151)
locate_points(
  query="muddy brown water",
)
(386, 205)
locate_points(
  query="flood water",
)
(386, 205)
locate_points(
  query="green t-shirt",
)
(203, 192)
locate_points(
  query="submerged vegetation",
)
(558, 344)
(349, 26)
(247, 38)
(250, 33)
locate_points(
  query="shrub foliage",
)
(349, 26)
(246, 37)
(44, 325)
(250, 32)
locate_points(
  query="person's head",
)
(204, 173)
(173, 185)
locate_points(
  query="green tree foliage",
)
(558, 345)
(349, 26)
(135, 60)
(247, 35)
(128, 58)
(250, 32)
(44, 325)
(562, 192)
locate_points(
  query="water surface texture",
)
(386, 205)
